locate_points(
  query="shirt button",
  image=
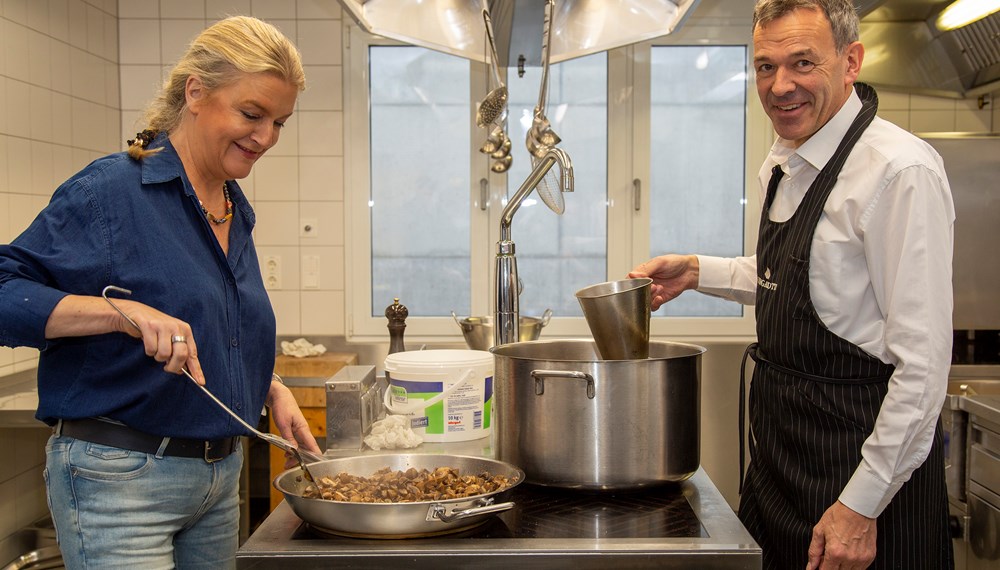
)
(239, 406)
(235, 342)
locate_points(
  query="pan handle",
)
(439, 512)
(540, 375)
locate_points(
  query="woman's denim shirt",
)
(139, 225)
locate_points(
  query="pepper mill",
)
(396, 314)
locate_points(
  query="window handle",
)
(637, 194)
(484, 188)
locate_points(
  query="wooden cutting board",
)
(319, 366)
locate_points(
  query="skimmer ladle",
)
(275, 440)
(493, 109)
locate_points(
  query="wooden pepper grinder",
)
(396, 314)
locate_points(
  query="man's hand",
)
(671, 274)
(842, 539)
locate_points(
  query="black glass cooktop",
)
(543, 512)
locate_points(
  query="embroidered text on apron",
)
(813, 402)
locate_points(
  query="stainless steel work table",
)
(284, 541)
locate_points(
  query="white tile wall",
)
(59, 95)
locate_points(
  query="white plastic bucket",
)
(448, 394)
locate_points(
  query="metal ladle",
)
(541, 137)
(493, 109)
(271, 438)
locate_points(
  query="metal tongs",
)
(300, 455)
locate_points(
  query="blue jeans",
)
(115, 508)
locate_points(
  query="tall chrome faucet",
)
(505, 329)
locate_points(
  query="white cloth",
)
(392, 432)
(301, 348)
(879, 276)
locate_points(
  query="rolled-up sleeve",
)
(63, 251)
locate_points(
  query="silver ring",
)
(178, 338)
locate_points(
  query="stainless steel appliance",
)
(983, 481)
(972, 166)
(681, 525)
(353, 403)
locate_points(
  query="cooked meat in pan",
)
(410, 486)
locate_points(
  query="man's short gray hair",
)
(842, 14)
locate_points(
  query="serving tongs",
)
(300, 455)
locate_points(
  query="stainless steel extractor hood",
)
(579, 27)
(905, 51)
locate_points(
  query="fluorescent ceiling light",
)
(964, 12)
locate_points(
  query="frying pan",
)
(397, 520)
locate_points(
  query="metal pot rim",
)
(689, 350)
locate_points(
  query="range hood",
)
(905, 51)
(579, 27)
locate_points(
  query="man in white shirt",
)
(852, 287)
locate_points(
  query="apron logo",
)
(765, 282)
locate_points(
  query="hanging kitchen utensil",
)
(274, 440)
(502, 165)
(540, 133)
(493, 141)
(541, 137)
(493, 109)
(503, 150)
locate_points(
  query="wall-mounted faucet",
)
(505, 329)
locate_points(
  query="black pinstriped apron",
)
(814, 400)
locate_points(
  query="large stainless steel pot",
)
(570, 419)
(397, 520)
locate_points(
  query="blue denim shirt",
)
(138, 225)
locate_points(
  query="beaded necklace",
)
(229, 208)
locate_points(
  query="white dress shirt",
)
(879, 277)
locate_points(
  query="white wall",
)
(58, 111)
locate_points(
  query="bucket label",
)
(467, 410)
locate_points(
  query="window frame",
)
(628, 228)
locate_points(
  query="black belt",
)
(124, 437)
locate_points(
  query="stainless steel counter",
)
(280, 542)
(19, 400)
(984, 408)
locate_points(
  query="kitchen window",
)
(658, 138)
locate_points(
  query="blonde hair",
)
(218, 57)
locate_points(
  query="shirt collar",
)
(165, 165)
(820, 147)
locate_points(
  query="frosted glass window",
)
(420, 176)
(698, 127)
(558, 255)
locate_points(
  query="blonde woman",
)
(143, 468)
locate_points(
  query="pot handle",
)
(546, 317)
(540, 375)
(458, 322)
(409, 408)
(439, 512)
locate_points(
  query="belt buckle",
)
(212, 458)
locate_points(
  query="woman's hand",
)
(289, 420)
(671, 274)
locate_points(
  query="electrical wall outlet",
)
(272, 272)
(310, 272)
